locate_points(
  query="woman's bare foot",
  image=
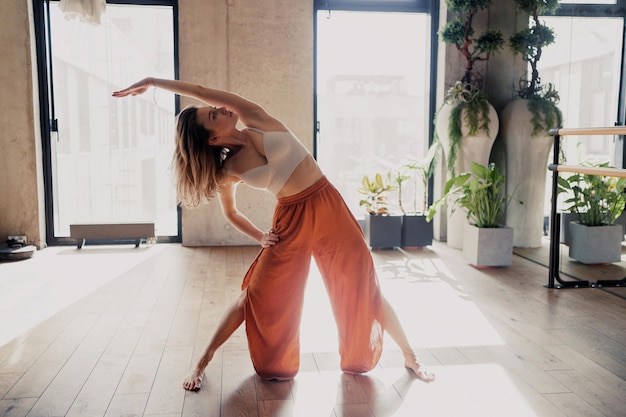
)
(193, 382)
(411, 362)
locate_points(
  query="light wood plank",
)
(167, 395)
(128, 405)
(16, 407)
(594, 394)
(239, 395)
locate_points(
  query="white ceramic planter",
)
(595, 244)
(488, 246)
(526, 173)
(473, 149)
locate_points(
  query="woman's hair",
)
(196, 164)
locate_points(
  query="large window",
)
(373, 96)
(586, 66)
(110, 158)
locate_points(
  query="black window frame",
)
(46, 105)
(430, 7)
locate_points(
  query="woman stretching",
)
(212, 157)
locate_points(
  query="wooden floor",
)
(112, 331)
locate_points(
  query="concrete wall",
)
(21, 177)
(263, 51)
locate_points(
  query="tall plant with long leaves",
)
(480, 192)
(466, 95)
(529, 44)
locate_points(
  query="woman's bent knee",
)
(275, 374)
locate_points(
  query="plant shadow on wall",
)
(481, 193)
(598, 201)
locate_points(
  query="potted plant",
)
(525, 124)
(466, 125)
(481, 193)
(598, 201)
(466, 110)
(382, 230)
(416, 230)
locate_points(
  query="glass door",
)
(110, 157)
(373, 92)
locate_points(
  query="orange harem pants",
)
(315, 222)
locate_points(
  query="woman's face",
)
(220, 121)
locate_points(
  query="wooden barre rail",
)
(605, 172)
(577, 131)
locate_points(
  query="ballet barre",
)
(555, 217)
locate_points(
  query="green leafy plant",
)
(375, 189)
(529, 43)
(399, 177)
(459, 31)
(480, 192)
(422, 171)
(597, 200)
(466, 94)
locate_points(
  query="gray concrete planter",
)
(488, 246)
(567, 218)
(383, 232)
(416, 231)
(595, 244)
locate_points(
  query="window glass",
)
(584, 66)
(373, 88)
(111, 157)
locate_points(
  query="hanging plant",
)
(529, 43)
(466, 94)
(470, 99)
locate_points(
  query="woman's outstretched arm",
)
(250, 113)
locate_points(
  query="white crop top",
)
(284, 152)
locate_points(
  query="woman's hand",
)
(269, 239)
(139, 87)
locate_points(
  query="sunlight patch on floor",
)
(489, 386)
(428, 300)
(35, 289)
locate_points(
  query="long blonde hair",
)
(198, 166)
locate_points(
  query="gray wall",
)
(21, 184)
(263, 51)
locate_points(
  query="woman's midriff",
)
(305, 175)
